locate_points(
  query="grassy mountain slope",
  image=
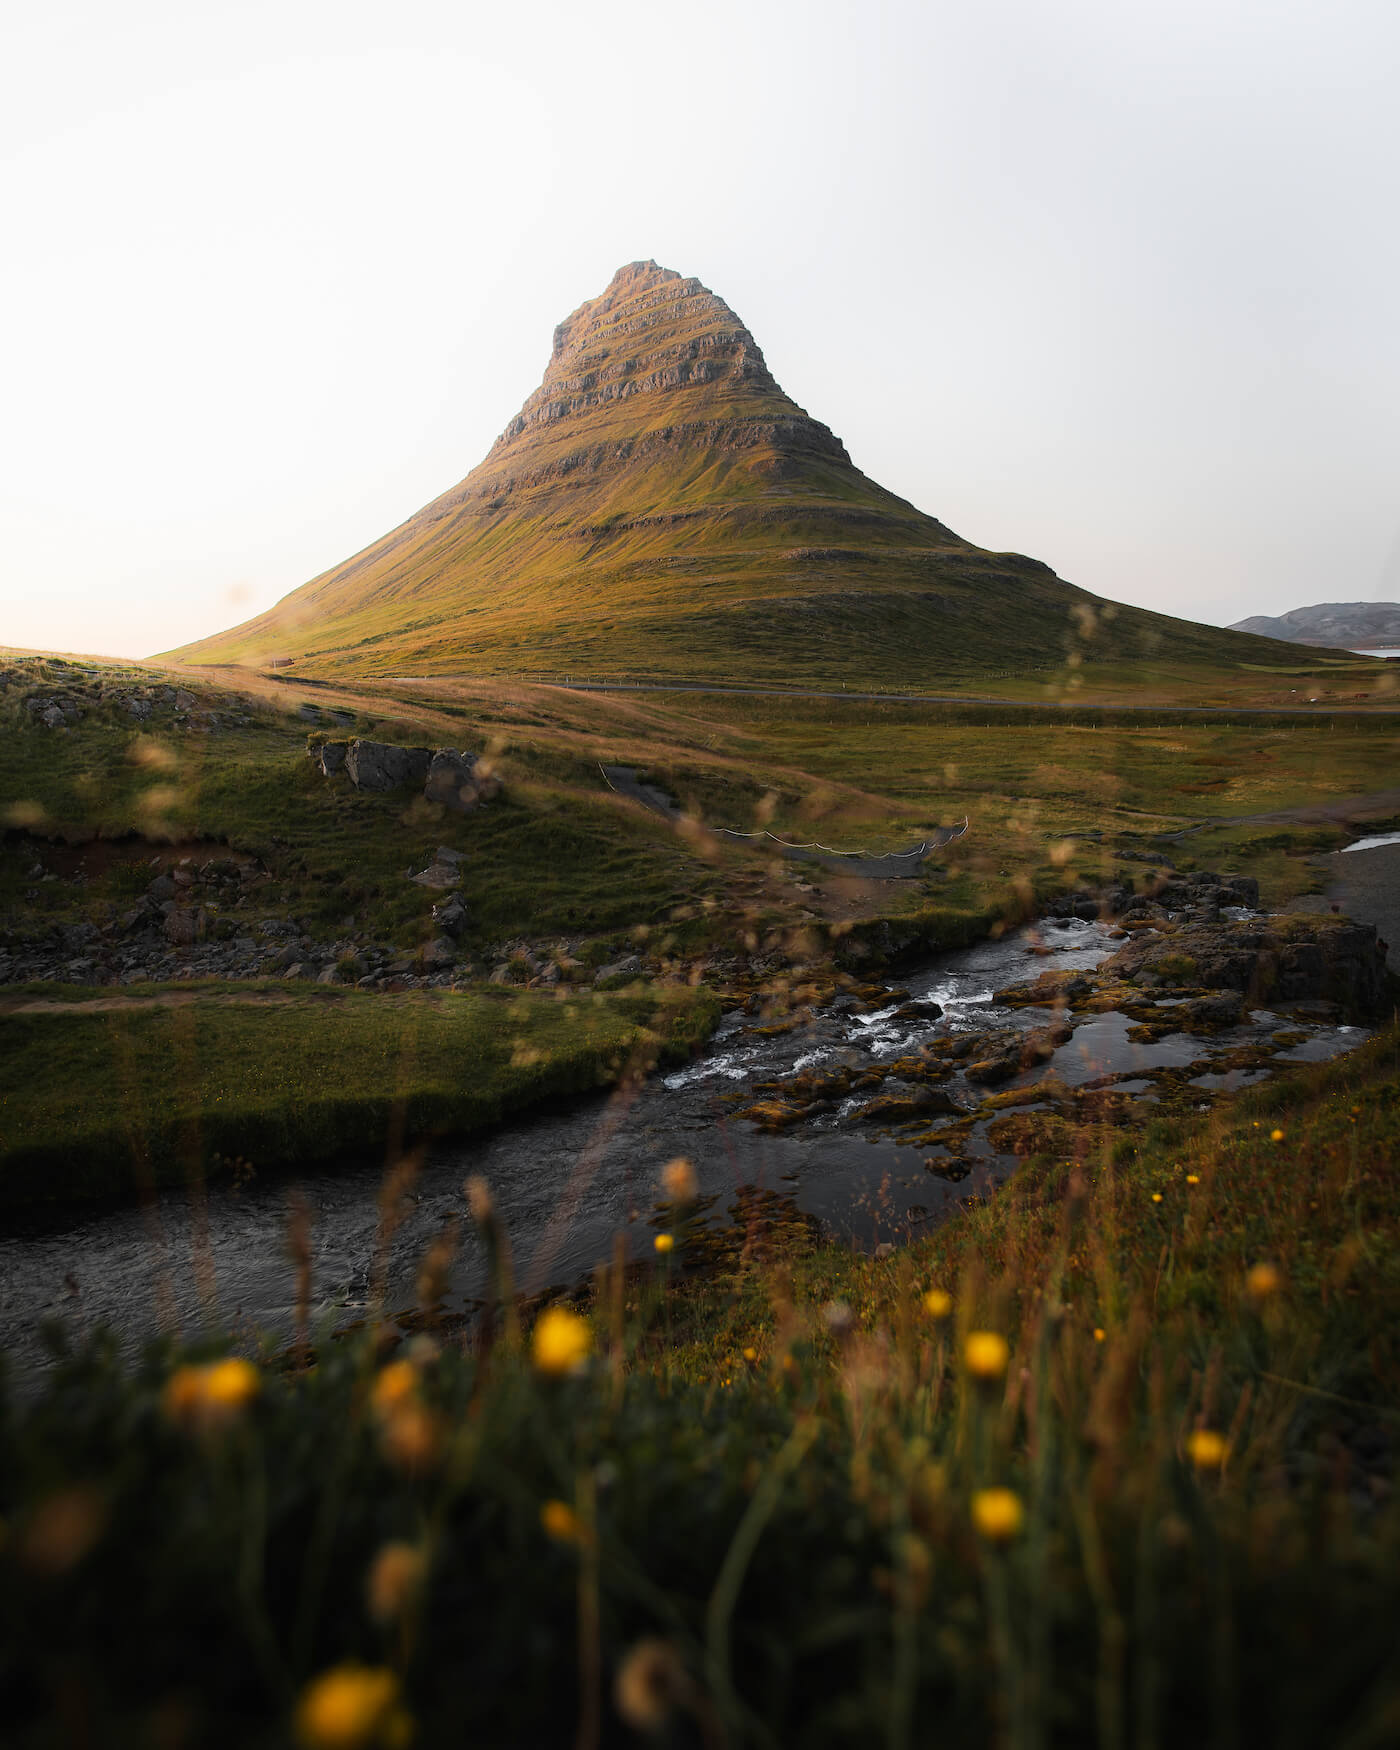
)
(659, 507)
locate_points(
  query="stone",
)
(161, 888)
(450, 781)
(184, 927)
(379, 765)
(437, 875)
(904, 1104)
(330, 756)
(450, 916)
(630, 966)
(439, 954)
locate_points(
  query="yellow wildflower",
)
(751, 1354)
(664, 1243)
(351, 1708)
(62, 1529)
(1099, 1333)
(561, 1522)
(395, 1384)
(1156, 1196)
(678, 1180)
(411, 1436)
(202, 1399)
(1263, 1281)
(395, 1579)
(1193, 1178)
(938, 1303)
(997, 1514)
(985, 1354)
(651, 1682)
(1207, 1449)
(1275, 1136)
(231, 1384)
(562, 1341)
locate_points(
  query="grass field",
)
(1109, 1460)
(560, 856)
(106, 1100)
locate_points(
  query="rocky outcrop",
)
(456, 781)
(380, 765)
(1281, 960)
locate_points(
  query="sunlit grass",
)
(1083, 1467)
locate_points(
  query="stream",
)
(566, 1181)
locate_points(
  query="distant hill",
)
(660, 507)
(1341, 625)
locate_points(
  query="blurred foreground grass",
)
(1107, 1460)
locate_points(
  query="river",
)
(568, 1180)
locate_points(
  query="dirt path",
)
(1164, 708)
(1336, 811)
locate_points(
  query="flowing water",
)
(568, 1180)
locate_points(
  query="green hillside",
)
(660, 508)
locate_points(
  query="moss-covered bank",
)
(103, 1098)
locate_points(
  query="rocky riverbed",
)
(863, 1109)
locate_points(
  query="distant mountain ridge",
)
(1341, 625)
(660, 507)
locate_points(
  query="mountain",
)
(1344, 625)
(660, 507)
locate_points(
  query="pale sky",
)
(1110, 283)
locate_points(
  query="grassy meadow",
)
(1108, 1459)
(112, 1101)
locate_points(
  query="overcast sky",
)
(1109, 283)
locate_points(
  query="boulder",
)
(438, 874)
(439, 954)
(330, 756)
(903, 1103)
(630, 966)
(379, 765)
(450, 780)
(450, 916)
(184, 927)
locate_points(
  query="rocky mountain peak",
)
(653, 333)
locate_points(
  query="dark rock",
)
(438, 874)
(450, 781)
(903, 1104)
(440, 953)
(379, 765)
(330, 756)
(630, 966)
(1048, 991)
(161, 888)
(184, 927)
(1221, 1008)
(1284, 960)
(450, 916)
